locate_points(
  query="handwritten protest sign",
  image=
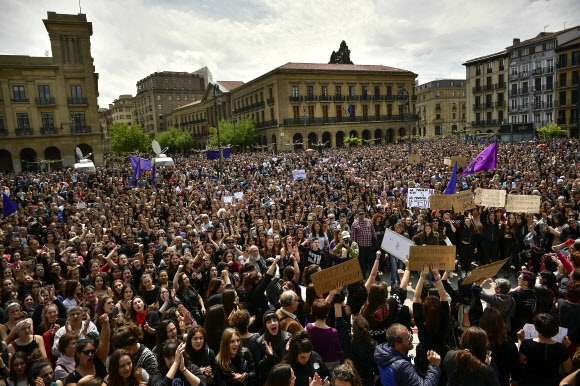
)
(299, 174)
(461, 161)
(463, 201)
(441, 201)
(348, 272)
(431, 254)
(238, 195)
(490, 197)
(227, 199)
(396, 244)
(447, 161)
(523, 204)
(414, 159)
(489, 270)
(419, 197)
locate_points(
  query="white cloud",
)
(241, 40)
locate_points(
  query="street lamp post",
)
(403, 100)
(217, 102)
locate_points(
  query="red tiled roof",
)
(338, 67)
(230, 84)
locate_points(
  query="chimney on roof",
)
(516, 41)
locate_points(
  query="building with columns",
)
(301, 104)
(48, 105)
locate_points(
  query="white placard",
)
(396, 244)
(531, 332)
(81, 205)
(419, 197)
(299, 174)
(238, 195)
(227, 199)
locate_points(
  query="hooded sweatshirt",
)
(396, 369)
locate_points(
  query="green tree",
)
(175, 138)
(126, 138)
(352, 141)
(242, 134)
(342, 56)
(552, 130)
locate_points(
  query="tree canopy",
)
(126, 138)
(175, 138)
(342, 56)
(242, 134)
(551, 130)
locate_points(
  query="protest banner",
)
(523, 204)
(414, 159)
(490, 197)
(463, 201)
(419, 197)
(461, 161)
(431, 254)
(238, 195)
(348, 272)
(441, 201)
(299, 174)
(396, 244)
(485, 271)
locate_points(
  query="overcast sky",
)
(243, 39)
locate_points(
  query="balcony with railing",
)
(524, 90)
(537, 106)
(477, 89)
(501, 68)
(24, 131)
(524, 107)
(484, 122)
(488, 87)
(345, 119)
(513, 92)
(365, 97)
(270, 100)
(77, 101)
(487, 105)
(267, 124)
(548, 70)
(477, 106)
(561, 102)
(378, 97)
(45, 101)
(48, 130)
(537, 71)
(295, 98)
(512, 109)
(524, 74)
(500, 85)
(81, 129)
(352, 98)
(548, 105)
(390, 98)
(338, 97)
(3, 132)
(310, 98)
(437, 108)
(489, 70)
(500, 104)
(325, 98)
(478, 72)
(513, 76)
(19, 100)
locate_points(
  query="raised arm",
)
(103, 349)
(406, 275)
(176, 277)
(438, 283)
(418, 289)
(371, 280)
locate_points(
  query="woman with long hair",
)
(128, 337)
(116, 288)
(357, 345)
(200, 353)
(18, 370)
(167, 330)
(174, 365)
(272, 344)
(146, 319)
(230, 301)
(123, 371)
(149, 291)
(470, 363)
(542, 358)
(89, 359)
(235, 363)
(281, 375)
(188, 295)
(101, 288)
(345, 375)
(466, 244)
(128, 292)
(432, 319)
(215, 324)
(255, 286)
(428, 236)
(304, 360)
(72, 293)
(504, 352)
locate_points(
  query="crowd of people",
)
(205, 276)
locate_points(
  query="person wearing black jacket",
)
(255, 285)
(272, 344)
(174, 367)
(491, 235)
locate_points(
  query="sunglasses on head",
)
(341, 373)
(87, 352)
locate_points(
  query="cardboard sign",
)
(348, 272)
(431, 254)
(463, 201)
(419, 197)
(227, 199)
(396, 244)
(81, 205)
(414, 159)
(531, 332)
(441, 201)
(395, 163)
(461, 161)
(299, 174)
(447, 162)
(238, 195)
(490, 197)
(523, 204)
(489, 270)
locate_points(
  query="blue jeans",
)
(395, 264)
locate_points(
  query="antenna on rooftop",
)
(80, 8)
(546, 26)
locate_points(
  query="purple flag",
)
(10, 207)
(136, 173)
(452, 181)
(145, 163)
(214, 154)
(486, 160)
